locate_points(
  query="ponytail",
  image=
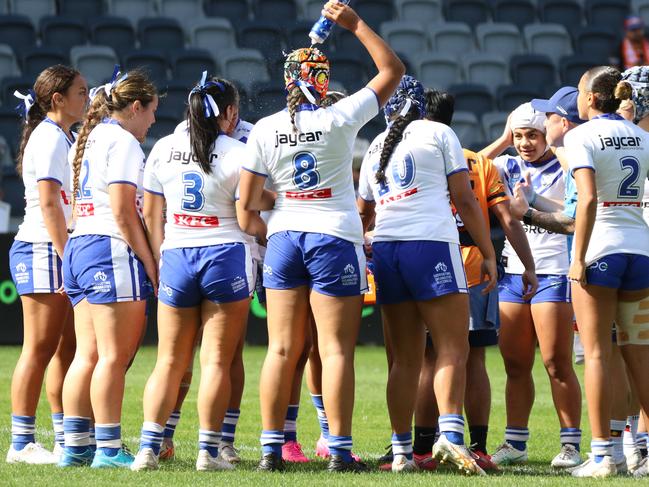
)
(604, 82)
(293, 100)
(395, 134)
(623, 91)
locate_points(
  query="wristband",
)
(527, 217)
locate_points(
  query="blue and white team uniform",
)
(35, 265)
(205, 254)
(315, 232)
(618, 152)
(98, 264)
(416, 246)
(550, 250)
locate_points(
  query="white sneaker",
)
(229, 452)
(633, 460)
(605, 468)
(33, 453)
(621, 466)
(145, 460)
(506, 454)
(458, 455)
(57, 451)
(206, 462)
(642, 470)
(402, 464)
(568, 457)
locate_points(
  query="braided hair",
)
(395, 134)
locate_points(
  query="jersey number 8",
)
(305, 175)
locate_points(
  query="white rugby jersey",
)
(200, 207)
(112, 155)
(645, 202)
(618, 152)
(414, 204)
(550, 250)
(311, 170)
(45, 158)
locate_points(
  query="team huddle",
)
(221, 209)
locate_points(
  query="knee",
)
(518, 367)
(37, 357)
(558, 368)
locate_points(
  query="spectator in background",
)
(635, 47)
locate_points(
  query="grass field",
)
(371, 435)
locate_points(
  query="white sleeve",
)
(151, 182)
(255, 161)
(51, 159)
(364, 185)
(125, 159)
(452, 152)
(578, 151)
(356, 110)
(233, 160)
(500, 163)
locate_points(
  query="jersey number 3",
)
(628, 188)
(193, 198)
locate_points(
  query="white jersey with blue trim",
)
(311, 169)
(200, 207)
(414, 203)
(550, 250)
(618, 152)
(45, 158)
(112, 156)
(645, 202)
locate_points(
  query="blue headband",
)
(210, 106)
(28, 101)
(110, 86)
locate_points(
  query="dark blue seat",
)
(268, 97)
(152, 61)
(595, 39)
(277, 11)
(349, 70)
(83, 9)
(233, 10)
(165, 123)
(188, 64)
(297, 34)
(262, 35)
(372, 128)
(10, 84)
(509, 97)
(532, 70)
(17, 31)
(115, 32)
(11, 124)
(36, 59)
(63, 32)
(375, 12)
(571, 68)
(609, 13)
(13, 189)
(175, 97)
(565, 12)
(517, 12)
(160, 33)
(470, 97)
(472, 12)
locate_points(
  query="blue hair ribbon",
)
(115, 79)
(209, 104)
(28, 101)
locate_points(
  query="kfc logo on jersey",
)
(315, 194)
(195, 221)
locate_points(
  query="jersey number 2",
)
(193, 199)
(628, 188)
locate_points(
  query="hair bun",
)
(623, 90)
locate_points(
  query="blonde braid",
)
(293, 100)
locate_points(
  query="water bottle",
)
(322, 28)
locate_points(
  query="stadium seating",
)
(373, 128)
(493, 124)
(451, 38)
(310, 10)
(233, 10)
(641, 8)
(552, 40)
(472, 12)
(212, 34)
(133, 10)
(94, 62)
(165, 123)
(609, 13)
(188, 64)
(424, 12)
(498, 38)
(488, 69)
(571, 68)
(474, 98)
(160, 33)
(17, 31)
(115, 32)
(152, 61)
(36, 59)
(63, 32)
(244, 66)
(405, 36)
(10, 125)
(277, 11)
(81, 9)
(263, 35)
(375, 12)
(595, 39)
(13, 191)
(508, 97)
(4, 7)
(268, 97)
(565, 12)
(297, 34)
(439, 70)
(534, 70)
(184, 11)
(175, 97)
(349, 70)
(466, 127)
(34, 9)
(8, 61)
(518, 12)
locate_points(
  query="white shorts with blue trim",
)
(35, 267)
(103, 270)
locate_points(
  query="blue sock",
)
(402, 444)
(452, 427)
(109, 438)
(57, 425)
(342, 446)
(23, 431)
(209, 440)
(151, 437)
(229, 427)
(92, 441)
(290, 423)
(272, 441)
(600, 449)
(322, 416)
(570, 436)
(76, 431)
(517, 437)
(172, 422)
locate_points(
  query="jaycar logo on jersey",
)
(619, 142)
(293, 139)
(187, 157)
(195, 221)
